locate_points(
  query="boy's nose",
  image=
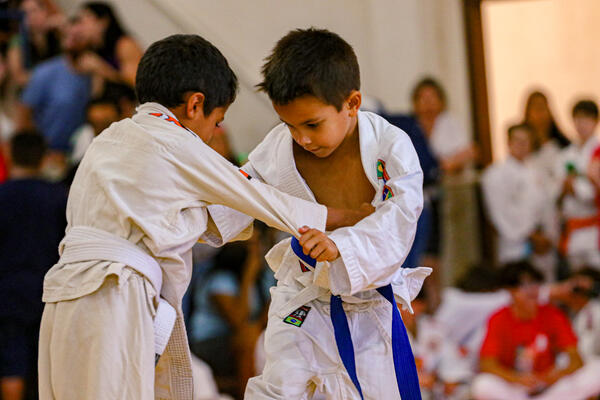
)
(304, 140)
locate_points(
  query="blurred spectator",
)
(433, 353)
(549, 140)
(577, 196)
(445, 150)
(55, 98)
(230, 311)
(116, 55)
(39, 39)
(584, 304)
(540, 353)
(32, 216)
(100, 113)
(516, 205)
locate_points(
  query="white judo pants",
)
(302, 360)
(580, 385)
(100, 346)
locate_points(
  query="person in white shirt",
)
(516, 205)
(576, 196)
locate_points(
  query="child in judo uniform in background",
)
(146, 191)
(334, 327)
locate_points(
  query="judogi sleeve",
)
(207, 175)
(226, 224)
(375, 248)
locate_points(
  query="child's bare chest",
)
(338, 182)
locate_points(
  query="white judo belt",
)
(83, 243)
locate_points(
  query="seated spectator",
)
(529, 348)
(577, 196)
(115, 55)
(100, 113)
(433, 351)
(55, 98)
(229, 311)
(33, 221)
(517, 206)
(37, 42)
(584, 304)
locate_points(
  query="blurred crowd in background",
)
(512, 306)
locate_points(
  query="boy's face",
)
(525, 296)
(585, 125)
(316, 126)
(205, 126)
(519, 144)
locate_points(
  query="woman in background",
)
(116, 54)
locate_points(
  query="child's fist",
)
(317, 244)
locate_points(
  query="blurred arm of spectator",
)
(575, 362)
(128, 54)
(23, 117)
(492, 366)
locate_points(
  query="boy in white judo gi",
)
(145, 192)
(335, 328)
(580, 237)
(517, 206)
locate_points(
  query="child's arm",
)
(227, 224)
(211, 178)
(372, 251)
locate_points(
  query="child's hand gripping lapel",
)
(317, 244)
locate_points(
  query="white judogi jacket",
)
(373, 250)
(151, 182)
(515, 204)
(582, 204)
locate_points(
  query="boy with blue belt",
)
(335, 327)
(147, 189)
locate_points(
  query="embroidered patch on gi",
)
(381, 171)
(245, 174)
(383, 175)
(303, 267)
(297, 317)
(387, 193)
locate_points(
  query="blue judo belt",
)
(404, 362)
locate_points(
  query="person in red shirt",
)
(528, 347)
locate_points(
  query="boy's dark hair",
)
(519, 127)
(586, 107)
(479, 278)
(27, 149)
(593, 275)
(179, 64)
(314, 62)
(513, 274)
(432, 83)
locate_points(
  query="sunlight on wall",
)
(550, 45)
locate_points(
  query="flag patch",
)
(387, 193)
(297, 317)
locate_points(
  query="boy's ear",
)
(354, 100)
(195, 105)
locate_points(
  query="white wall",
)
(547, 44)
(396, 41)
